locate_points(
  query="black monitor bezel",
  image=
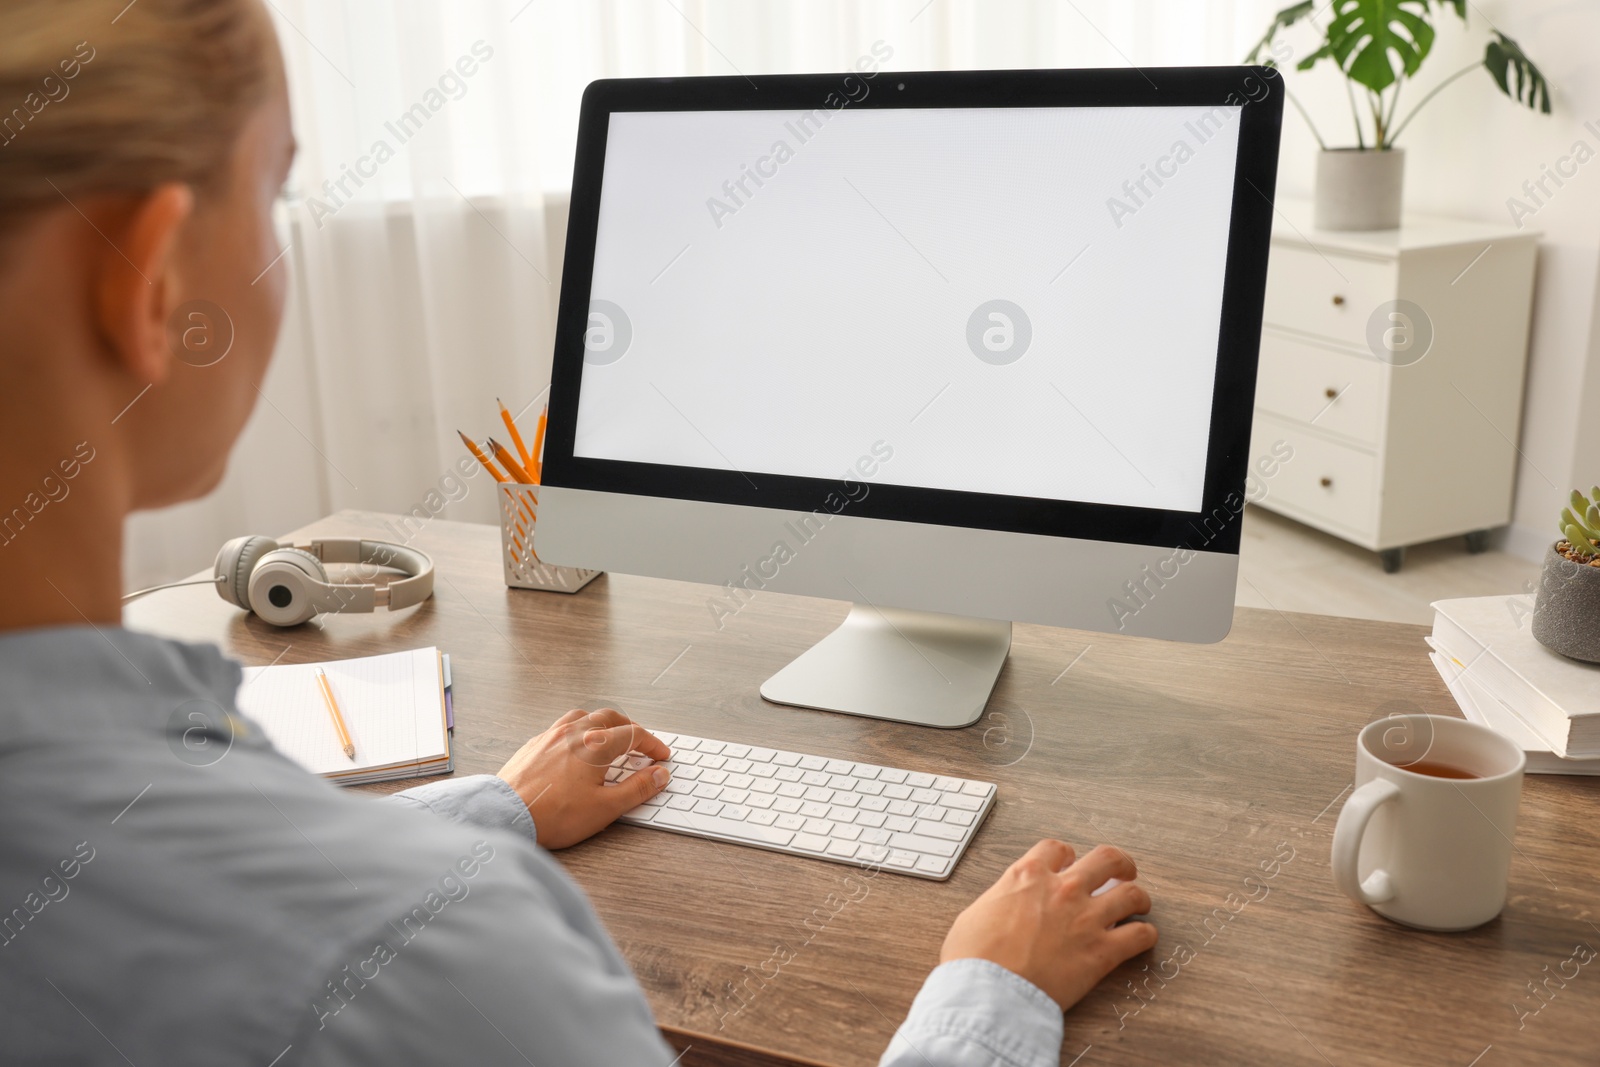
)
(1214, 528)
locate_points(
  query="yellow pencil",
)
(512, 466)
(478, 453)
(537, 467)
(516, 438)
(333, 712)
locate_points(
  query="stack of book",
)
(1545, 703)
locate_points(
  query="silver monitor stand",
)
(909, 666)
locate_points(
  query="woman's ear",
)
(136, 280)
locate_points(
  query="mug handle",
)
(1347, 835)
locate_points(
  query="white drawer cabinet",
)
(1392, 363)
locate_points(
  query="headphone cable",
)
(173, 585)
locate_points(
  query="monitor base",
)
(908, 666)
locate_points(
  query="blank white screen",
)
(786, 326)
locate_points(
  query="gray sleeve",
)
(477, 800)
(517, 971)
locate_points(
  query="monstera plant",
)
(1378, 46)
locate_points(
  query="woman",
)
(246, 912)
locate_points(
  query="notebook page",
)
(390, 704)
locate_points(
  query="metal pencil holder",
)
(519, 513)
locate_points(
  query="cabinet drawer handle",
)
(1326, 483)
(1330, 392)
(1338, 301)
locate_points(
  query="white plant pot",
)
(1359, 188)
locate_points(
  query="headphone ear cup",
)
(282, 586)
(235, 561)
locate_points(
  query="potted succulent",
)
(1377, 45)
(1566, 613)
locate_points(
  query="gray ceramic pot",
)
(1566, 613)
(1359, 189)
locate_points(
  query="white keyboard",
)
(829, 809)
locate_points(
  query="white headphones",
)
(286, 585)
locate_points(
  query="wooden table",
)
(1215, 766)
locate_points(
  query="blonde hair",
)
(100, 96)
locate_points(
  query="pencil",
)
(478, 453)
(537, 467)
(516, 438)
(333, 712)
(511, 465)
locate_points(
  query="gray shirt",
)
(173, 891)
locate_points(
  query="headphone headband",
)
(403, 593)
(285, 584)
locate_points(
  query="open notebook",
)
(393, 705)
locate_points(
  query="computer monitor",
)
(960, 348)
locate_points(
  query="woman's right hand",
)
(1041, 922)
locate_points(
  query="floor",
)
(1291, 567)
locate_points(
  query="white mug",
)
(1425, 851)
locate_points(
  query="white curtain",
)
(427, 211)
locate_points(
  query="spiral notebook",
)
(393, 705)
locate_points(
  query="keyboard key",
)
(962, 801)
(897, 792)
(680, 803)
(810, 842)
(872, 853)
(899, 822)
(845, 832)
(814, 778)
(869, 818)
(737, 766)
(765, 835)
(761, 755)
(931, 812)
(819, 794)
(791, 789)
(656, 801)
(708, 807)
(889, 774)
(841, 781)
(736, 751)
(734, 796)
(975, 789)
(789, 804)
(902, 807)
(839, 814)
(665, 738)
(641, 813)
(839, 766)
(680, 785)
(740, 781)
(812, 763)
(925, 796)
(789, 774)
(764, 785)
(959, 817)
(713, 762)
(714, 777)
(869, 788)
(707, 791)
(919, 780)
(874, 837)
(636, 761)
(790, 822)
(712, 746)
(735, 812)
(929, 845)
(946, 784)
(849, 800)
(901, 858)
(943, 831)
(763, 770)
(874, 803)
(844, 849)
(684, 759)
(931, 865)
(688, 774)
(814, 810)
(763, 818)
(613, 774)
(819, 826)
(866, 771)
(759, 800)
(685, 744)
(786, 759)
